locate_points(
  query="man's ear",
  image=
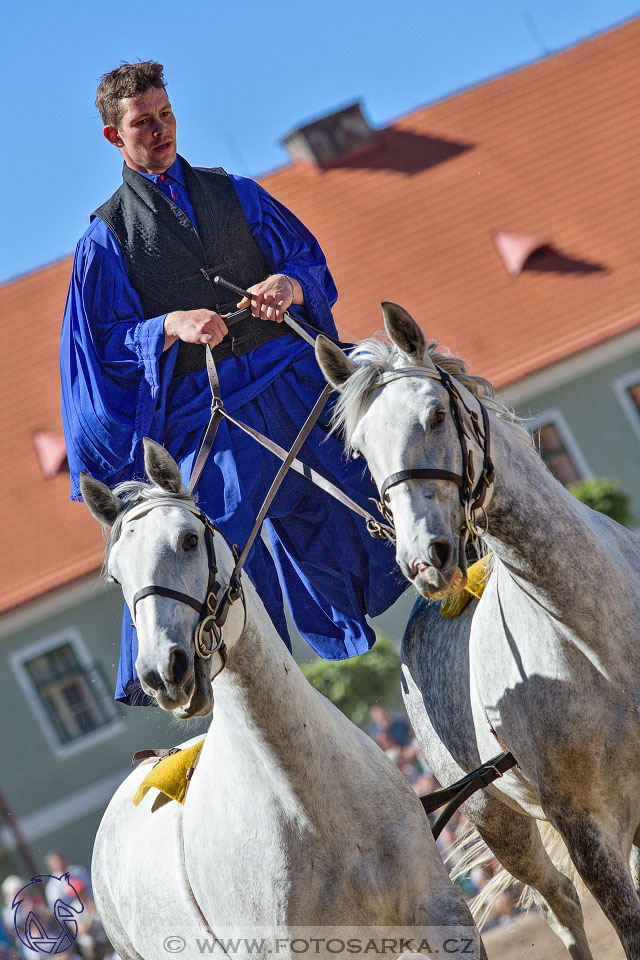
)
(110, 133)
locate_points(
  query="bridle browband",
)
(473, 493)
(214, 609)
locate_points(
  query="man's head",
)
(137, 116)
(56, 862)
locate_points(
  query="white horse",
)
(547, 663)
(294, 817)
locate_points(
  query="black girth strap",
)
(455, 795)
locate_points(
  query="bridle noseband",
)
(214, 609)
(472, 493)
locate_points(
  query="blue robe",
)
(117, 388)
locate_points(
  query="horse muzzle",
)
(201, 702)
(172, 686)
(433, 585)
(439, 573)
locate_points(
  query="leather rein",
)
(289, 458)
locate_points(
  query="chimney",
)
(332, 137)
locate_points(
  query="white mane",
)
(375, 356)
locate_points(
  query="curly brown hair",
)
(126, 81)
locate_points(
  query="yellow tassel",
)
(477, 577)
(169, 775)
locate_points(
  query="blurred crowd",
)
(47, 908)
(394, 735)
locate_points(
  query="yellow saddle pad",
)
(169, 775)
(477, 576)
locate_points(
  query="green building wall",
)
(32, 776)
(598, 422)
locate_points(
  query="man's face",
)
(146, 134)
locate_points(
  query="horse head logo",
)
(30, 928)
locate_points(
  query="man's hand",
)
(271, 297)
(194, 326)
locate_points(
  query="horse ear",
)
(334, 363)
(404, 332)
(161, 467)
(101, 503)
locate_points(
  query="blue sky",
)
(241, 75)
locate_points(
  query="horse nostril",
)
(151, 679)
(179, 664)
(439, 553)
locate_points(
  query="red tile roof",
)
(47, 540)
(548, 151)
(551, 152)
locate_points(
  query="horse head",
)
(414, 424)
(161, 551)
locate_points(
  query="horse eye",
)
(190, 542)
(438, 418)
(111, 579)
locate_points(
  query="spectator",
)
(396, 725)
(79, 878)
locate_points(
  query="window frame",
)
(18, 661)
(621, 389)
(556, 417)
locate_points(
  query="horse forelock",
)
(375, 356)
(131, 493)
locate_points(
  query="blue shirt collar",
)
(175, 171)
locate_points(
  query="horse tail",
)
(559, 855)
(470, 851)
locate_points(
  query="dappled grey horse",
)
(294, 817)
(547, 663)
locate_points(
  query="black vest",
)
(171, 266)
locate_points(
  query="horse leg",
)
(599, 857)
(516, 842)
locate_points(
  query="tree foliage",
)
(604, 494)
(354, 684)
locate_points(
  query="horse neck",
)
(266, 705)
(555, 547)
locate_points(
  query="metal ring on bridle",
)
(472, 525)
(208, 625)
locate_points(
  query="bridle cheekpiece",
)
(473, 492)
(215, 608)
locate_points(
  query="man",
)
(140, 310)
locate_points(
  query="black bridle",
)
(215, 607)
(473, 493)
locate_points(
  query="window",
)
(627, 389)
(559, 451)
(634, 393)
(67, 692)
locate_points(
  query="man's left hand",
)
(271, 297)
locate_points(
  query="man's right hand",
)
(194, 326)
